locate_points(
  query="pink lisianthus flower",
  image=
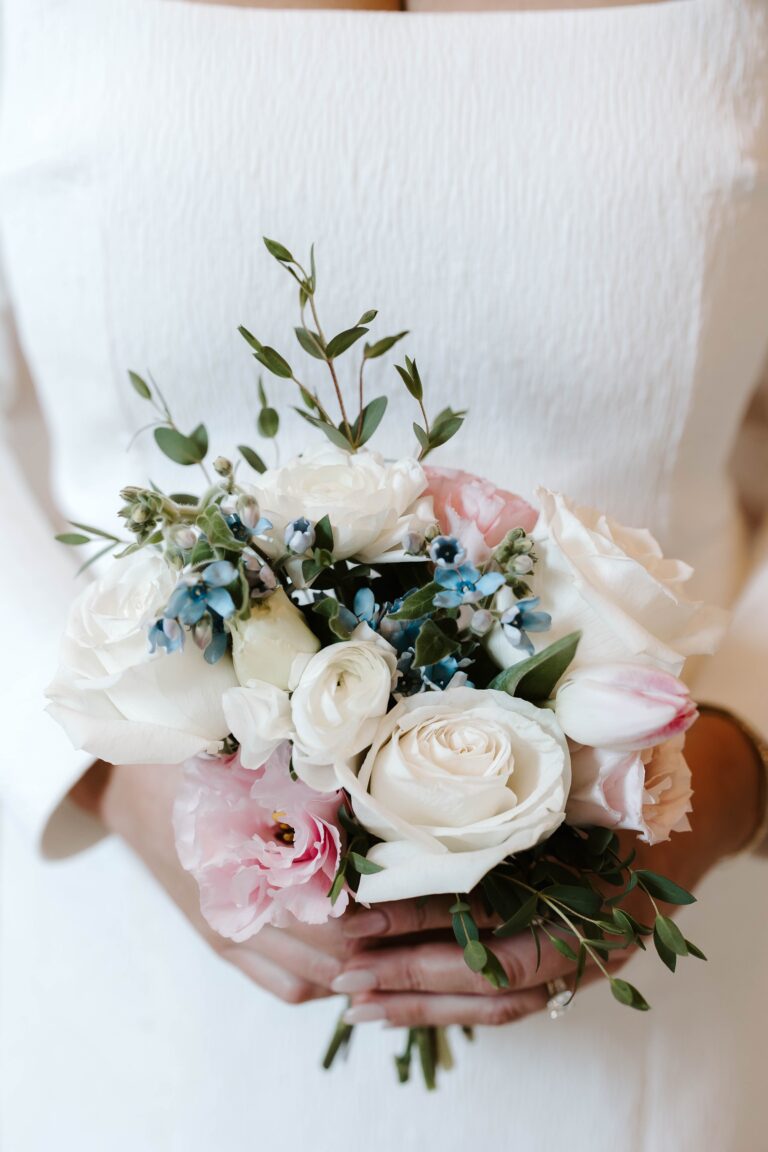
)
(649, 792)
(475, 511)
(263, 848)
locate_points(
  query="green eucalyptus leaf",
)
(364, 866)
(179, 448)
(494, 971)
(666, 955)
(334, 435)
(694, 951)
(140, 386)
(581, 900)
(422, 437)
(268, 422)
(307, 398)
(279, 251)
(627, 994)
(338, 884)
(311, 343)
(670, 935)
(274, 362)
(73, 539)
(475, 955)
(344, 340)
(520, 920)
(564, 949)
(535, 678)
(200, 437)
(252, 458)
(380, 347)
(368, 316)
(662, 888)
(250, 339)
(370, 418)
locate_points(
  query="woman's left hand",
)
(424, 981)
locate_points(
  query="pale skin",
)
(398, 962)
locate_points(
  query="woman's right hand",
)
(135, 801)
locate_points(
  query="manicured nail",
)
(364, 1014)
(357, 980)
(364, 924)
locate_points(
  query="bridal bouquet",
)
(388, 681)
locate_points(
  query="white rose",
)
(372, 504)
(613, 584)
(454, 783)
(342, 694)
(265, 647)
(259, 717)
(116, 700)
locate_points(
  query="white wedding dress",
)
(570, 212)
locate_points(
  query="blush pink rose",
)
(475, 511)
(263, 848)
(648, 792)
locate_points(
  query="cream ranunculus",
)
(265, 646)
(259, 717)
(116, 700)
(372, 504)
(340, 697)
(455, 782)
(613, 584)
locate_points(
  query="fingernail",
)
(364, 924)
(358, 980)
(364, 1014)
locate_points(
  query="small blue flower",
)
(364, 610)
(448, 671)
(166, 633)
(241, 529)
(447, 552)
(200, 592)
(299, 535)
(521, 619)
(465, 585)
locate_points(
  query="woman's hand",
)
(414, 984)
(136, 801)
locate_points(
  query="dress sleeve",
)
(737, 677)
(38, 766)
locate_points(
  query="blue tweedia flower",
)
(447, 552)
(364, 610)
(166, 633)
(465, 585)
(242, 530)
(200, 592)
(218, 644)
(521, 619)
(448, 671)
(401, 634)
(299, 535)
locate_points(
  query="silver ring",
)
(560, 997)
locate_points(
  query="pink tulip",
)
(475, 511)
(648, 791)
(623, 706)
(263, 848)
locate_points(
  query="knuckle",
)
(503, 1010)
(297, 992)
(514, 965)
(411, 974)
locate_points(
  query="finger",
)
(271, 977)
(408, 917)
(299, 957)
(440, 968)
(414, 1011)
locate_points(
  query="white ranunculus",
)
(259, 717)
(265, 646)
(613, 584)
(116, 700)
(342, 694)
(455, 782)
(372, 504)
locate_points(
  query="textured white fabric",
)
(570, 211)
